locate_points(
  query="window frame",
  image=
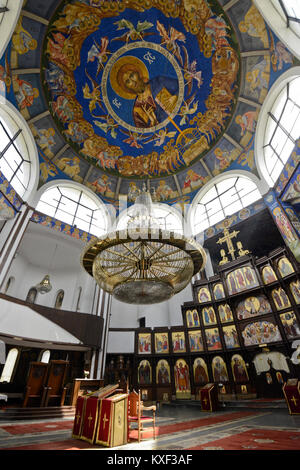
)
(14, 126)
(263, 121)
(11, 367)
(83, 191)
(238, 176)
(160, 206)
(278, 24)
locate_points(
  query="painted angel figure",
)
(133, 33)
(93, 95)
(190, 72)
(169, 38)
(99, 53)
(189, 107)
(217, 28)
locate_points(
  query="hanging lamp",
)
(143, 264)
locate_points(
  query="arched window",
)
(167, 218)
(45, 356)
(278, 126)
(282, 129)
(9, 284)
(18, 153)
(283, 16)
(75, 207)
(222, 199)
(9, 14)
(290, 10)
(78, 299)
(9, 366)
(59, 299)
(31, 296)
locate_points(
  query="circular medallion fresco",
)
(141, 88)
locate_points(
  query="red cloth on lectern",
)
(292, 396)
(90, 419)
(205, 400)
(105, 421)
(79, 415)
(208, 397)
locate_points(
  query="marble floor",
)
(178, 429)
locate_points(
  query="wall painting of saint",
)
(252, 306)
(163, 372)
(218, 291)
(295, 290)
(290, 324)
(285, 267)
(213, 341)
(195, 341)
(231, 337)
(231, 284)
(250, 276)
(192, 318)
(280, 298)
(225, 313)
(200, 371)
(261, 332)
(178, 341)
(161, 342)
(144, 373)
(219, 369)
(182, 380)
(204, 295)
(144, 343)
(239, 369)
(268, 275)
(241, 279)
(209, 316)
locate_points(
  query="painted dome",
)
(119, 94)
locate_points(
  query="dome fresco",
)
(119, 94)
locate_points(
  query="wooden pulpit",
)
(209, 397)
(55, 389)
(36, 379)
(291, 391)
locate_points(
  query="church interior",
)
(149, 225)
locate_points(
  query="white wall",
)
(43, 251)
(18, 320)
(121, 342)
(163, 314)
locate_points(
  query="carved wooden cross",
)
(227, 238)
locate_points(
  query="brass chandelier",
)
(143, 264)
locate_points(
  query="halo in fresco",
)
(141, 88)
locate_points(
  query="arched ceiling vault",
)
(164, 93)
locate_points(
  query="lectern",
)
(291, 391)
(112, 429)
(209, 397)
(101, 417)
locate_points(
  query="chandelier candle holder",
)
(143, 264)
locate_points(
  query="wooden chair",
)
(136, 416)
(37, 375)
(55, 388)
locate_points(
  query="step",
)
(8, 414)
